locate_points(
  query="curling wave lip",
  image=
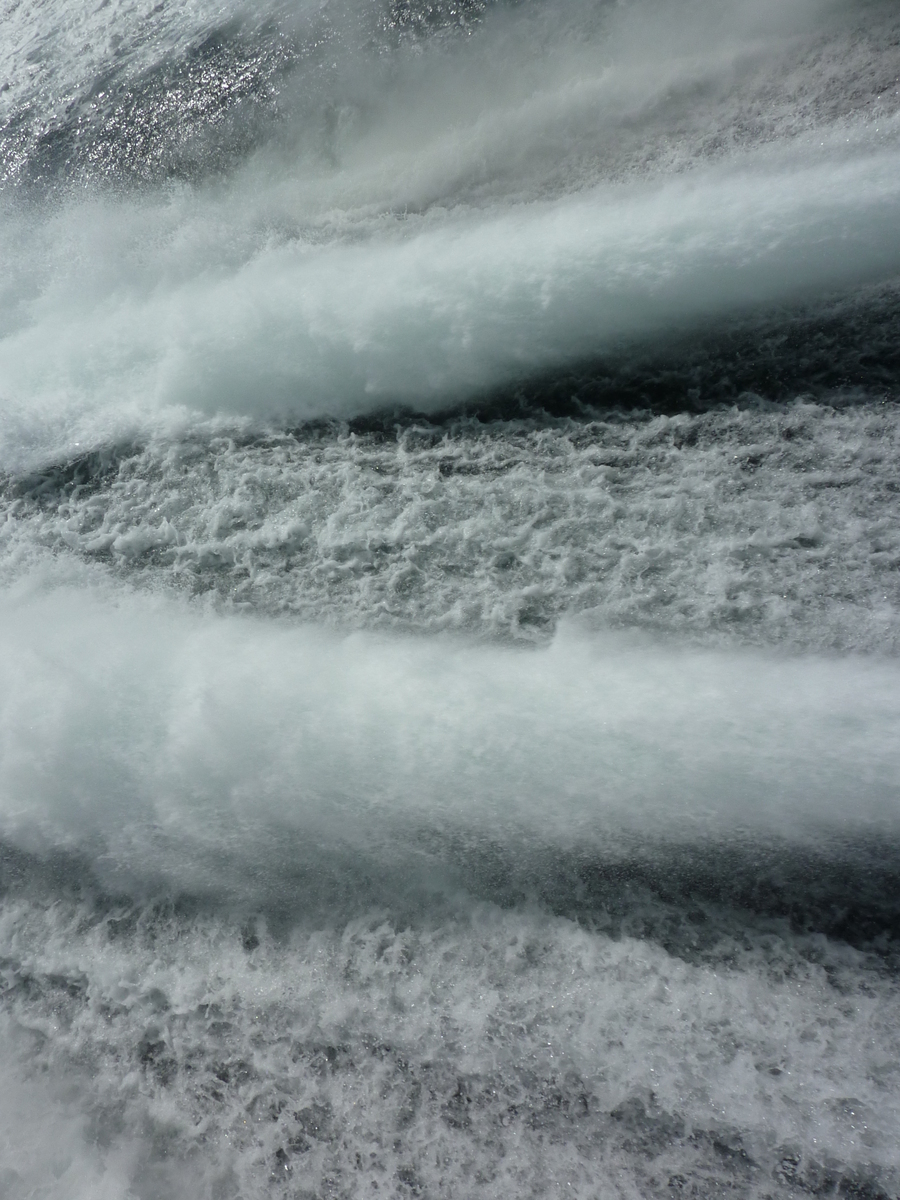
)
(157, 740)
(303, 330)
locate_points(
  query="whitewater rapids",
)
(449, 545)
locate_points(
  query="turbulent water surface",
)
(449, 599)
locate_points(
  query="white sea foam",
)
(293, 906)
(45, 1150)
(491, 1051)
(303, 330)
(168, 746)
(316, 283)
(778, 526)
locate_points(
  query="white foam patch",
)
(168, 745)
(458, 228)
(45, 1150)
(492, 1053)
(455, 220)
(742, 525)
(302, 330)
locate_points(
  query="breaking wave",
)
(448, 599)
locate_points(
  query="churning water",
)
(449, 599)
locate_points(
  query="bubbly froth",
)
(448, 599)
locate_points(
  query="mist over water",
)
(448, 599)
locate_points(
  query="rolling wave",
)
(381, 269)
(448, 599)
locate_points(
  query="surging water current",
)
(449, 546)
